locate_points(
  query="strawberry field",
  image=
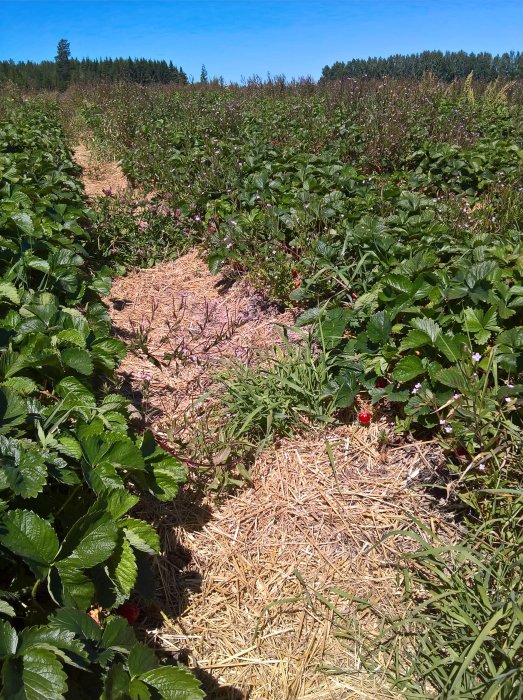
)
(383, 220)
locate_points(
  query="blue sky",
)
(236, 38)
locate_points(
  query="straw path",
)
(250, 621)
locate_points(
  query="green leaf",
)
(6, 609)
(75, 393)
(414, 339)
(379, 328)
(141, 659)
(104, 477)
(215, 263)
(451, 347)
(398, 282)
(480, 323)
(408, 368)
(116, 684)
(125, 455)
(174, 683)
(309, 316)
(428, 326)
(368, 301)
(139, 691)
(334, 324)
(9, 291)
(118, 634)
(23, 221)
(37, 675)
(141, 535)
(166, 479)
(8, 639)
(123, 569)
(23, 470)
(452, 377)
(120, 502)
(30, 537)
(90, 541)
(13, 410)
(21, 385)
(70, 587)
(73, 336)
(78, 359)
(69, 446)
(109, 346)
(83, 627)
(60, 642)
(480, 271)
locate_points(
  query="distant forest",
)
(446, 66)
(64, 70)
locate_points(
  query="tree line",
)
(450, 65)
(65, 70)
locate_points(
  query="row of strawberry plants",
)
(72, 466)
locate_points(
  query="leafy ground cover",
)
(388, 215)
(73, 466)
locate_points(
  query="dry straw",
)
(312, 517)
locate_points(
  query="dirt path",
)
(232, 576)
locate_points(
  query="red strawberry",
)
(380, 383)
(130, 611)
(364, 417)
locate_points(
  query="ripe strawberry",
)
(364, 417)
(380, 383)
(294, 272)
(130, 611)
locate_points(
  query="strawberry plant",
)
(72, 468)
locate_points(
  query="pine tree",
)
(63, 63)
(204, 78)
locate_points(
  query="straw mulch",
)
(99, 175)
(232, 578)
(193, 322)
